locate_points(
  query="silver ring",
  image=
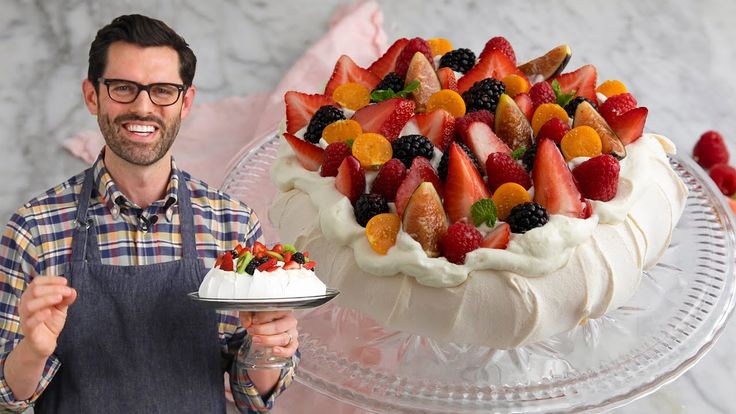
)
(290, 338)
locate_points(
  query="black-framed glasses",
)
(126, 91)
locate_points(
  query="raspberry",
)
(725, 178)
(617, 105)
(501, 168)
(542, 93)
(415, 45)
(408, 147)
(391, 81)
(553, 129)
(324, 116)
(462, 123)
(573, 105)
(527, 216)
(501, 44)
(459, 60)
(484, 94)
(369, 205)
(445, 160)
(598, 177)
(460, 239)
(333, 156)
(710, 150)
(389, 179)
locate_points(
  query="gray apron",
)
(133, 342)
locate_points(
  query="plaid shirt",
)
(39, 238)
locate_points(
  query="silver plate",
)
(265, 304)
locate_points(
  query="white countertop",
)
(676, 57)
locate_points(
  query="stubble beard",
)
(135, 152)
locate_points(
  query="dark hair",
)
(142, 31)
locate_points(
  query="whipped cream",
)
(277, 284)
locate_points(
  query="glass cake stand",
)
(675, 317)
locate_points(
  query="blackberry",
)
(254, 263)
(408, 147)
(484, 94)
(298, 257)
(369, 205)
(391, 81)
(324, 116)
(528, 158)
(527, 216)
(442, 168)
(459, 60)
(572, 106)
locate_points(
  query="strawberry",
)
(462, 124)
(582, 81)
(542, 93)
(438, 126)
(554, 185)
(461, 238)
(387, 62)
(483, 142)
(501, 168)
(498, 238)
(598, 177)
(447, 78)
(300, 107)
(464, 185)
(333, 156)
(389, 178)
(259, 249)
(350, 179)
(524, 101)
(309, 265)
(268, 265)
(553, 129)
(278, 248)
(289, 265)
(725, 178)
(414, 45)
(502, 45)
(710, 150)
(227, 262)
(495, 65)
(420, 171)
(309, 155)
(386, 118)
(617, 105)
(347, 71)
(630, 125)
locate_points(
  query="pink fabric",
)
(235, 123)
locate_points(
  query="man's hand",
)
(272, 329)
(43, 309)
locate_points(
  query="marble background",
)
(677, 57)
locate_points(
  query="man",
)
(94, 273)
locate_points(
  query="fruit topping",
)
(501, 168)
(408, 147)
(344, 130)
(542, 93)
(347, 71)
(333, 156)
(442, 167)
(544, 113)
(498, 238)
(554, 185)
(414, 45)
(516, 84)
(459, 60)
(483, 142)
(528, 158)
(447, 78)
(725, 178)
(352, 95)
(553, 129)
(226, 263)
(300, 107)
(462, 124)
(611, 88)
(298, 257)
(572, 106)
(372, 150)
(610, 143)
(324, 116)
(254, 263)
(389, 179)
(369, 205)
(581, 82)
(630, 125)
(448, 100)
(500, 44)
(437, 125)
(508, 196)
(392, 82)
(421, 70)
(464, 185)
(459, 240)
(420, 171)
(386, 118)
(524, 102)
(495, 65)
(483, 212)
(439, 46)
(598, 177)
(581, 141)
(484, 94)
(617, 105)
(527, 216)
(548, 65)
(309, 155)
(710, 150)
(381, 232)
(424, 218)
(511, 124)
(350, 179)
(387, 62)
(268, 265)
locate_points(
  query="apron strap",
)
(84, 242)
(186, 220)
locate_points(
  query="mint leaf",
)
(414, 85)
(484, 211)
(518, 153)
(562, 98)
(380, 95)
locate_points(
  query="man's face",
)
(141, 132)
